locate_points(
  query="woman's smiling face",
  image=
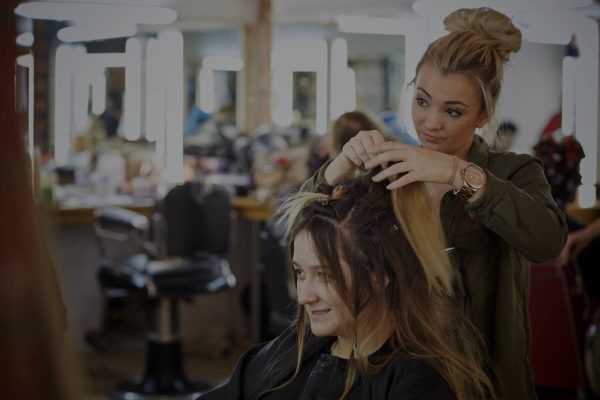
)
(446, 110)
(316, 292)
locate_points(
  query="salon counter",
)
(246, 207)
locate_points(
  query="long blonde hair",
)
(480, 42)
(393, 244)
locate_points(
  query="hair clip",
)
(394, 228)
(337, 192)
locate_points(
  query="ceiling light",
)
(86, 33)
(25, 60)
(509, 7)
(371, 25)
(25, 39)
(95, 12)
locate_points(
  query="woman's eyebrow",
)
(456, 102)
(452, 102)
(315, 266)
(424, 91)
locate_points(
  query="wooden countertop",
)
(247, 207)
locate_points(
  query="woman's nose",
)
(306, 292)
(433, 121)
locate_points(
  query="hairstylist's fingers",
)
(349, 152)
(386, 157)
(370, 139)
(377, 138)
(389, 145)
(359, 149)
(393, 170)
(363, 141)
(402, 181)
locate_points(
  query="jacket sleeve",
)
(520, 209)
(318, 177)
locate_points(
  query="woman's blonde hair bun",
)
(505, 36)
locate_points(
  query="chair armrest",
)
(119, 224)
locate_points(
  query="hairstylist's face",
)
(315, 291)
(446, 109)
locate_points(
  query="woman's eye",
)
(323, 276)
(421, 101)
(454, 113)
(299, 274)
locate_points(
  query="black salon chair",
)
(183, 253)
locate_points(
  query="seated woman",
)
(375, 319)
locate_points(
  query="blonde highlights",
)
(426, 236)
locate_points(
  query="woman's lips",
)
(316, 314)
(430, 139)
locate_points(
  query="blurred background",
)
(161, 134)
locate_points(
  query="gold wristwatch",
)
(474, 178)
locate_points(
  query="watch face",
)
(475, 177)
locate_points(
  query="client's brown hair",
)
(393, 244)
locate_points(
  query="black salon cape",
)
(322, 376)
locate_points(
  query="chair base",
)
(164, 378)
(136, 391)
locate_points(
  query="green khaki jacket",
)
(513, 223)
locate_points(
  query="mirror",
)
(212, 69)
(378, 65)
(362, 71)
(304, 94)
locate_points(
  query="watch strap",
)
(466, 190)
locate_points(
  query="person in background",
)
(397, 128)
(374, 316)
(579, 240)
(195, 119)
(496, 208)
(562, 157)
(111, 117)
(506, 136)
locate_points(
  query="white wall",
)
(532, 91)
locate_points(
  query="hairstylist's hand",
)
(355, 153)
(359, 149)
(416, 164)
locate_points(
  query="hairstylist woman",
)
(495, 207)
